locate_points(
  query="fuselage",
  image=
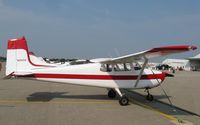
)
(91, 75)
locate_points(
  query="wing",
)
(151, 53)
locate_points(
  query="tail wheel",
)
(123, 101)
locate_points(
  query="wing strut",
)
(141, 71)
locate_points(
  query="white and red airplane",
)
(111, 73)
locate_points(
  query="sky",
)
(99, 28)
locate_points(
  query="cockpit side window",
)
(122, 67)
(137, 66)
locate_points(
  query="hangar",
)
(178, 63)
(195, 63)
(189, 64)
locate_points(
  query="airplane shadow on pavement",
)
(48, 96)
(135, 98)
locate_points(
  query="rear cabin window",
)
(116, 67)
(80, 62)
(106, 68)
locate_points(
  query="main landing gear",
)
(111, 93)
(123, 99)
(149, 97)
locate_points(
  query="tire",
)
(111, 93)
(123, 101)
(149, 97)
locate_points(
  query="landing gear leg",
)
(111, 93)
(123, 101)
(149, 97)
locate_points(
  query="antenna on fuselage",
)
(109, 55)
(117, 52)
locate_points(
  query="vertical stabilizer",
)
(17, 56)
(20, 60)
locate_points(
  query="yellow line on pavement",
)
(21, 101)
(168, 116)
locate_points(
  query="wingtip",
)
(193, 47)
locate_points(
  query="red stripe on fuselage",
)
(98, 77)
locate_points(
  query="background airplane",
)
(111, 73)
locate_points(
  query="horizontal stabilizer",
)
(17, 74)
(8, 76)
(22, 73)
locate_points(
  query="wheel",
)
(111, 94)
(123, 101)
(149, 97)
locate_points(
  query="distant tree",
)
(62, 60)
(2, 59)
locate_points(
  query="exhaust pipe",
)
(168, 74)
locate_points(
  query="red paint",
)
(32, 53)
(20, 43)
(172, 48)
(98, 77)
